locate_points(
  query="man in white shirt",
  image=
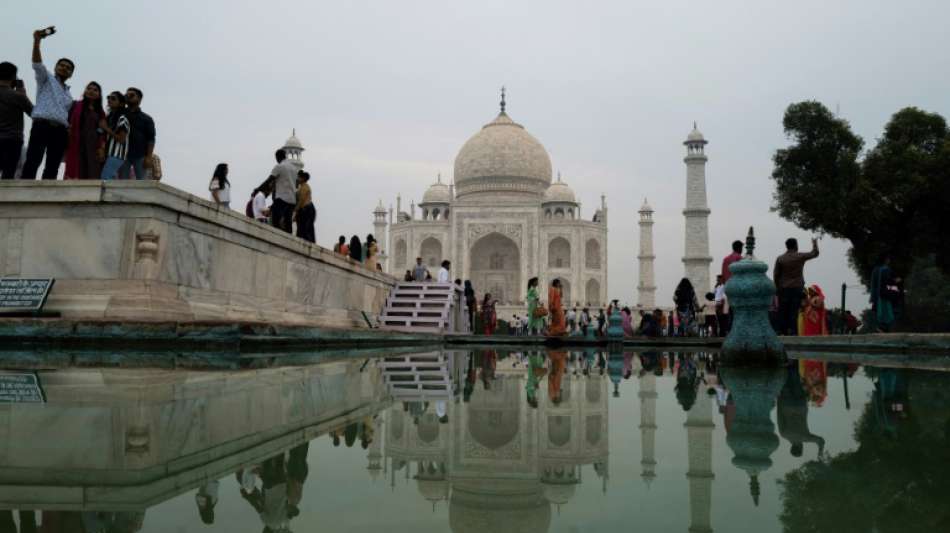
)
(444, 272)
(284, 175)
(723, 318)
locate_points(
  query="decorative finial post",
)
(559, 176)
(751, 339)
(750, 244)
(502, 98)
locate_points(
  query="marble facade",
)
(503, 221)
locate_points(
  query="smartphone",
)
(49, 31)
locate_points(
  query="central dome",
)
(502, 158)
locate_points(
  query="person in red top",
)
(730, 259)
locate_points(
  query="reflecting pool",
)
(481, 440)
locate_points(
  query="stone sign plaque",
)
(24, 295)
(20, 387)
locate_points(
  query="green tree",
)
(892, 200)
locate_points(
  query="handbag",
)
(540, 311)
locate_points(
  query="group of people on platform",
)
(93, 143)
(290, 193)
(364, 252)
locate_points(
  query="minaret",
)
(646, 289)
(647, 395)
(294, 150)
(379, 231)
(696, 259)
(699, 434)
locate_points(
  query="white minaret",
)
(647, 395)
(379, 231)
(699, 434)
(696, 259)
(646, 289)
(294, 150)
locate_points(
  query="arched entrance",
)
(431, 253)
(593, 292)
(496, 268)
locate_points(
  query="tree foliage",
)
(894, 199)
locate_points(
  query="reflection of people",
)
(206, 498)
(489, 318)
(814, 376)
(558, 359)
(27, 522)
(297, 471)
(792, 414)
(535, 373)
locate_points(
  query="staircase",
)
(419, 377)
(425, 307)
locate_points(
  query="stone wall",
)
(146, 251)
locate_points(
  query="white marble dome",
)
(502, 157)
(437, 193)
(293, 142)
(695, 135)
(559, 192)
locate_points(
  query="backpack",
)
(249, 208)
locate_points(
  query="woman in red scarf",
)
(558, 322)
(86, 136)
(813, 318)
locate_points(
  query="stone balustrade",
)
(142, 250)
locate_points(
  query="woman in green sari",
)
(534, 322)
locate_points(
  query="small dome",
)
(560, 493)
(437, 193)
(379, 208)
(559, 192)
(433, 489)
(646, 207)
(695, 136)
(293, 142)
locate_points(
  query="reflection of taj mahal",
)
(503, 221)
(500, 464)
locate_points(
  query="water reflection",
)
(489, 440)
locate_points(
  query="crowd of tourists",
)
(117, 142)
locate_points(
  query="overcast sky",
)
(383, 95)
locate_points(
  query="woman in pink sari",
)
(87, 122)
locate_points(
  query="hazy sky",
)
(383, 95)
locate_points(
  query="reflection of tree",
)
(898, 479)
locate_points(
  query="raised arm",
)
(37, 37)
(814, 249)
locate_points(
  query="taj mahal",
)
(504, 218)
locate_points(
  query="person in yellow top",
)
(305, 214)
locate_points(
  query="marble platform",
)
(142, 250)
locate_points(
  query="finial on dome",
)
(559, 176)
(502, 98)
(293, 131)
(439, 178)
(694, 125)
